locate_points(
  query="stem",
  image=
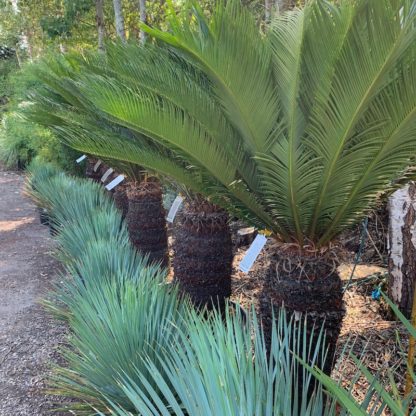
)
(411, 356)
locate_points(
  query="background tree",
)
(99, 7)
(119, 20)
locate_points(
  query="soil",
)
(29, 337)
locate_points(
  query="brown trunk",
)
(402, 247)
(306, 285)
(203, 255)
(146, 220)
(121, 201)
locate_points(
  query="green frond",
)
(299, 130)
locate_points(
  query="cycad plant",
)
(203, 255)
(297, 130)
(146, 219)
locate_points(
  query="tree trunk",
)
(402, 247)
(146, 220)
(306, 285)
(202, 261)
(143, 19)
(119, 20)
(99, 17)
(121, 200)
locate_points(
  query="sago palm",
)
(202, 245)
(298, 130)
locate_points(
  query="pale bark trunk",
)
(119, 19)
(402, 247)
(99, 16)
(143, 18)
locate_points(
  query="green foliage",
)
(137, 349)
(20, 141)
(130, 328)
(378, 398)
(298, 131)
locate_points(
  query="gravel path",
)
(29, 337)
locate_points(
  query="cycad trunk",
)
(121, 199)
(402, 247)
(146, 220)
(306, 284)
(202, 261)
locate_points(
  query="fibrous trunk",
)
(121, 200)
(203, 255)
(402, 247)
(146, 220)
(307, 285)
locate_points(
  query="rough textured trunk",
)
(99, 17)
(202, 261)
(146, 220)
(402, 247)
(121, 199)
(143, 19)
(305, 284)
(119, 20)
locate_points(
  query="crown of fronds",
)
(298, 130)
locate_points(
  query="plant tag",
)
(97, 165)
(80, 159)
(107, 174)
(174, 208)
(115, 182)
(252, 253)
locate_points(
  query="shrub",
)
(22, 141)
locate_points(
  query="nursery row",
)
(138, 348)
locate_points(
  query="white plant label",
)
(97, 165)
(252, 253)
(80, 159)
(115, 182)
(107, 174)
(174, 209)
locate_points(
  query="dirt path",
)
(28, 336)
